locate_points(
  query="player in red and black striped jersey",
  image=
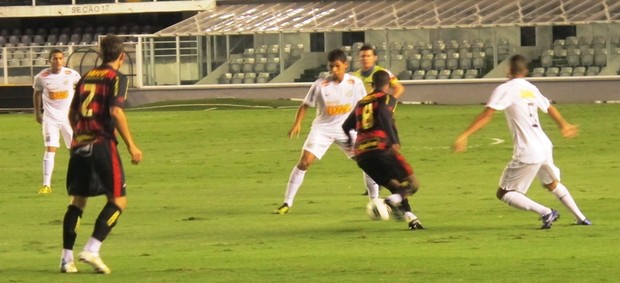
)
(377, 147)
(95, 166)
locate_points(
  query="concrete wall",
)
(561, 90)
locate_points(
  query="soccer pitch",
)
(200, 204)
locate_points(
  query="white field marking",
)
(199, 104)
(497, 141)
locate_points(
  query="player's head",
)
(381, 81)
(111, 48)
(338, 65)
(56, 59)
(367, 56)
(518, 66)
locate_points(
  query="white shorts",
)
(518, 176)
(52, 132)
(319, 141)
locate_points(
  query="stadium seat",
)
(235, 65)
(273, 65)
(457, 74)
(63, 39)
(452, 62)
(259, 65)
(503, 48)
(427, 62)
(587, 57)
(572, 57)
(398, 64)
(425, 48)
(75, 39)
(25, 39)
(600, 57)
(471, 74)
(2, 41)
(479, 60)
(249, 53)
(38, 39)
(413, 63)
(439, 62)
(439, 47)
(546, 59)
(593, 71)
(225, 78)
(263, 78)
(552, 72)
(538, 72)
(40, 61)
(87, 37)
(431, 75)
(566, 72)
(571, 42)
(579, 71)
(249, 78)
(558, 44)
(477, 46)
(13, 39)
(405, 75)
(248, 65)
(418, 75)
(444, 75)
(19, 54)
(598, 42)
(26, 62)
(584, 40)
(465, 60)
(297, 50)
(409, 50)
(237, 78)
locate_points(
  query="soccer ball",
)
(378, 210)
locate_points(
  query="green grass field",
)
(200, 205)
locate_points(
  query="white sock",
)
(67, 255)
(371, 186)
(520, 201)
(395, 198)
(48, 167)
(93, 245)
(409, 216)
(562, 193)
(294, 182)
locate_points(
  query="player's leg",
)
(549, 175)
(514, 184)
(70, 226)
(112, 177)
(372, 188)
(51, 141)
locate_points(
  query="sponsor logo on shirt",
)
(527, 94)
(338, 109)
(57, 95)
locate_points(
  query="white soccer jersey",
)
(57, 92)
(520, 101)
(334, 101)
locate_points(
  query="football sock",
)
(294, 182)
(67, 255)
(395, 198)
(70, 225)
(404, 204)
(106, 221)
(562, 193)
(371, 186)
(48, 167)
(520, 201)
(93, 245)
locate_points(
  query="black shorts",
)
(384, 165)
(96, 169)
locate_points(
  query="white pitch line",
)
(496, 141)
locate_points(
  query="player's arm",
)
(568, 130)
(397, 88)
(460, 145)
(122, 128)
(348, 125)
(299, 117)
(36, 101)
(386, 120)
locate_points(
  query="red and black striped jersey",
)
(374, 123)
(99, 90)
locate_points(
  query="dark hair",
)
(54, 51)
(380, 79)
(337, 55)
(518, 65)
(110, 48)
(368, 47)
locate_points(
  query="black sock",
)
(106, 221)
(404, 205)
(70, 225)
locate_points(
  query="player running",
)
(377, 148)
(533, 152)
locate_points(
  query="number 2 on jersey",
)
(85, 110)
(367, 117)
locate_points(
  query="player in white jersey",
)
(533, 152)
(54, 89)
(334, 97)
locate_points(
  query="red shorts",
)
(384, 165)
(96, 169)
